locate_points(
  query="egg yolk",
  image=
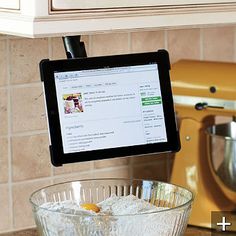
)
(90, 207)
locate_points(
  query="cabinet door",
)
(99, 4)
(10, 4)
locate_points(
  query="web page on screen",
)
(110, 107)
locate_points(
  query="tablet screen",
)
(110, 107)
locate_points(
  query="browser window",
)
(110, 107)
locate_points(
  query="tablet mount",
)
(74, 47)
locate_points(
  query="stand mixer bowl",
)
(221, 147)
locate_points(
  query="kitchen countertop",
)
(191, 231)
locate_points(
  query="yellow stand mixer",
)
(203, 90)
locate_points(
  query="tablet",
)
(111, 106)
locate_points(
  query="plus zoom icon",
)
(223, 221)
(223, 224)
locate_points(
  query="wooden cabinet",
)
(10, 4)
(102, 4)
(40, 18)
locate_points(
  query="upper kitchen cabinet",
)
(39, 18)
(10, 4)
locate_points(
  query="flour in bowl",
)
(126, 205)
(118, 216)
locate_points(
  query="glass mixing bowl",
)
(171, 219)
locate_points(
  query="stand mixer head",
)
(203, 91)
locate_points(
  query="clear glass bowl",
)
(170, 221)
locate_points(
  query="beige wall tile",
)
(218, 44)
(22, 211)
(3, 112)
(147, 41)
(122, 172)
(73, 177)
(155, 170)
(147, 158)
(108, 44)
(73, 168)
(30, 157)
(3, 160)
(111, 162)
(25, 55)
(234, 48)
(184, 44)
(28, 112)
(5, 208)
(58, 51)
(3, 63)
(3, 36)
(85, 39)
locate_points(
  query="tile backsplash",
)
(24, 156)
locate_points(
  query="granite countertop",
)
(191, 231)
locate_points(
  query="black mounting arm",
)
(74, 47)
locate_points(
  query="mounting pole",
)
(74, 47)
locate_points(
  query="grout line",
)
(17, 231)
(150, 163)
(89, 52)
(201, 44)
(166, 39)
(29, 133)
(31, 181)
(50, 55)
(93, 170)
(131, 167)
(129, 43)
(234, 48)
(9, 136)
(91, 38)
(27, 85)
(3, 87)
(98, 170)
(65, 175)
(49, 178)
(168, 171)
(6, 184)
